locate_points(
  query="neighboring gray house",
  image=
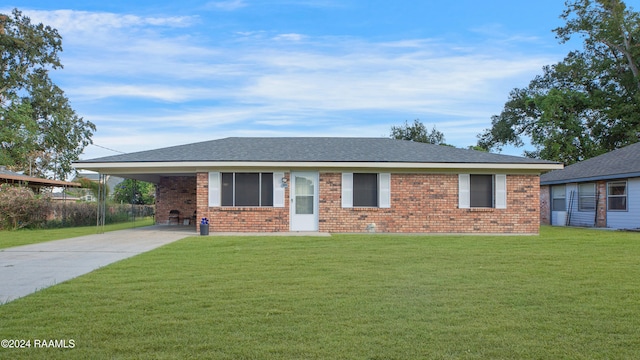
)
(603, 191)
(87, 195)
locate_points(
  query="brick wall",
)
(428, 203)
(420, 203)
(175, 192)
(545, 205)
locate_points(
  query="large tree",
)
(587, 104)
(417, 132)
(39, 131)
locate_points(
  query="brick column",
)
(545, 205)
(601, 205)
(202, 198)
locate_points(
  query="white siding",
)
(575, 216)
(629, 219)
(559, 218)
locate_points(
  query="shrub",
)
(20, 207)
(73, 214)
(85, 214)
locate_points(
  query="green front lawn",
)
(567, 294)
(28, 236)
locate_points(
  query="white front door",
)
(304, 201)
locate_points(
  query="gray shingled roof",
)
(315, 149)
(621, 163)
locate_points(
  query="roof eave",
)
(181, 166)
(591, 178)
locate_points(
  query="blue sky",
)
(159, 73)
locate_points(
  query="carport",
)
(175, 186)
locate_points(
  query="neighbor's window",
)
(365, 190)
(558, 198)
(617, 196)
(587, 197)
(247, 189)
(481, 191)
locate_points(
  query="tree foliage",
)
(587, 104)
(417, 132)
(39, 131)
(132, 191)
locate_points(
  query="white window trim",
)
(499, 191)
(384, 190)
(594, 196)
(562, 195)
(214, 189)
(278, 190)
(347, 190)
(626, 195)
(464, 191)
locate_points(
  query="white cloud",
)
(229, 5)
(68, 21)
(287, 83)
(147, 91)
(289, 37)
(412, 82)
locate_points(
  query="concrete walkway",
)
(26, 269)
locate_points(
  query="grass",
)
(567, 294)
(28, 236)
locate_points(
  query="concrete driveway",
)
(26, 269)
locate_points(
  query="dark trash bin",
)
(204, 226)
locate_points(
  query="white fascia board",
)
(204, 166)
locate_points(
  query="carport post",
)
(102, 203)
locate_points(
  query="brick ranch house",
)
(338, 185)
